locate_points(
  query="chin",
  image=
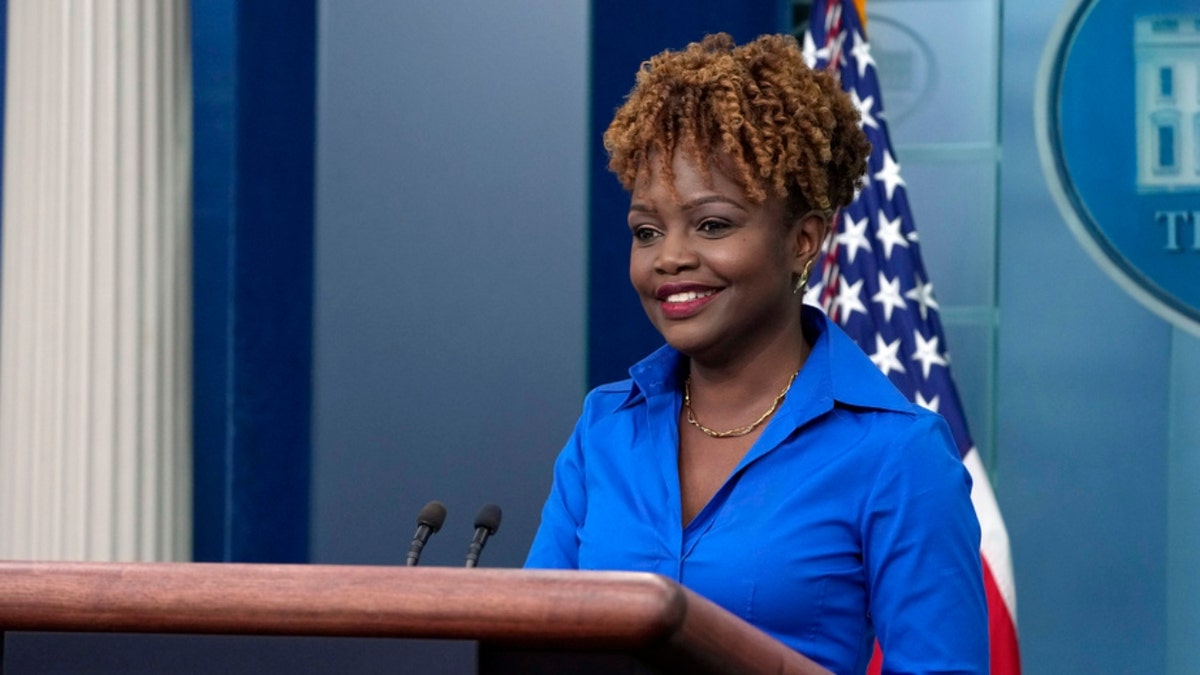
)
(690, 345)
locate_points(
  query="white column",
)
(95, 282)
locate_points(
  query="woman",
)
(759, 457)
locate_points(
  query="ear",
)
(807, 234)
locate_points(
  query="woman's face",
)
(714, 269)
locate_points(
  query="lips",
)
(680, 301)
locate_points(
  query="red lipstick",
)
(683, 300)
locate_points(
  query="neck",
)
(747, 371)
(732, 393)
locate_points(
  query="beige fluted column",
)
(95, 292)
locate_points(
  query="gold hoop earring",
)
(802, 282)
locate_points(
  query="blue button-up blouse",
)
(850, 516)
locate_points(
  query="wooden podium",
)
(525, 621)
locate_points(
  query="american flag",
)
(875, 286)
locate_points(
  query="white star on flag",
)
(811, 53)
(812, 295)
(886, 355)
(927, 353)
(848, 301)
(864, 106)
(922, 293)
(889, 233)
(889, 174)
(862, 54)
(853, 237)
(888, 295)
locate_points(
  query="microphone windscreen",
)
(432, 515)
(489, 518)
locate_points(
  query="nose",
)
(675, 254)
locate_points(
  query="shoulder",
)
(914, 460)
(896, 438)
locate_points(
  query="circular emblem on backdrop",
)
(1118, 124)
(905, 64)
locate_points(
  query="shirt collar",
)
(659, 373)
(836, 373)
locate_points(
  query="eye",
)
(713, 227)
(645, 234)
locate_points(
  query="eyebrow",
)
(686, 206)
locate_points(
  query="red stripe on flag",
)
(1006, 654)
(876, 665)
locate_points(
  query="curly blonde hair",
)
(783, 126)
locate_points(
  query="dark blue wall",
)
(254, 71)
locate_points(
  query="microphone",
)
(486, 524)
(429, 520)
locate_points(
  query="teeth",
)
(688, 296)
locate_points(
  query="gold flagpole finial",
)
(861, 5)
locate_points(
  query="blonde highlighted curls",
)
(782, 126)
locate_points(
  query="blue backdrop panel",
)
(254, 86)
(624, 34)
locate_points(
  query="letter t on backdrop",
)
(874, 284)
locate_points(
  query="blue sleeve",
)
(921, 552)
(556, 545)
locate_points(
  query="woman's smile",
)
(680, 301)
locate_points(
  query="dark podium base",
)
(52, 653)
(507, 661)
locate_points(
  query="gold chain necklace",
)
(739, 431)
